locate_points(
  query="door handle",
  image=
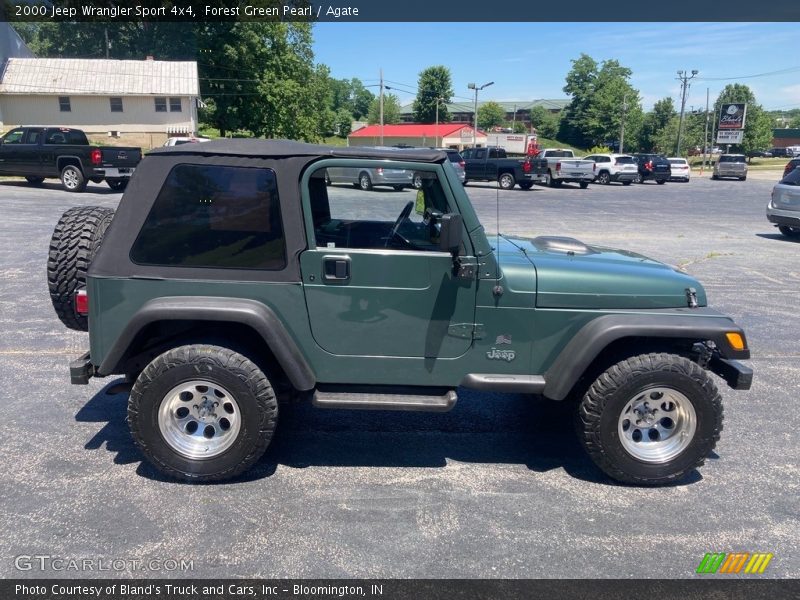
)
(336, 268)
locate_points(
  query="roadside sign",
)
(730, 137)
(731, 116)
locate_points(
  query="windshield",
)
(624, 160)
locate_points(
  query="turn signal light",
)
(735, 340)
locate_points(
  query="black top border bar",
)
(372, 11)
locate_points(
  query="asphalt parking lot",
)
(496, 488)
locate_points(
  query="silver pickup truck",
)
(562, 166)
(731, 165)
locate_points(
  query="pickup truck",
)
(562, 166)
(493, 164)
(39, 153)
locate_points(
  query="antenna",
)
(497, 290)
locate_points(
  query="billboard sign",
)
(731, 116)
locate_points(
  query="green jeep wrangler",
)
(233, 269)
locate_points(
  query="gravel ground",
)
(496, 488)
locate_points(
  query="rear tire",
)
(661, 181)
(743, 178)
(398, 188)
(526, 185)
(117, 184)
(550, 181)
(202, 413)
(650, 419)
(74, 244)
(72, 179)
(364, 182)
(626, 182)
(638, 179)
(790, 232)
(35, 180)
(584, 184)
(603, 178)
(506, 181)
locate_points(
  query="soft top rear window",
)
(454, 157)
(793, 178)
(215, 217)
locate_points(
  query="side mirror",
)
(451, 233)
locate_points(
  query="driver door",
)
(376, 285)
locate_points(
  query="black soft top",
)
(257, 148)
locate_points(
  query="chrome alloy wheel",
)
(657, 425)
(71, 179)
(199, 419)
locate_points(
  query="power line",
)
(767, 74)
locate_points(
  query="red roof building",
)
(447, 135)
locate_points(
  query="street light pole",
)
(439, 99)
(622, 124)
(477, 88)
(684, 78)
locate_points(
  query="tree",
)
(391, 110)
(795, 122)
(435, 85)
(491, 114)
(602, 97)
(654, 124)
(545, 122)
(758, 125)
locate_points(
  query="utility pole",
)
(438, 99)
(108, 46)
(705, 136)
(684, 78)
(381, 105)
(477, 88)
(622, 124)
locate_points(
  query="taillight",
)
(97, 156)
(461, 164)
(558, 166)
(649, 165)
(81, 302)
(526, 166)
(379, 170)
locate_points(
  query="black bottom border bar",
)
(707, 587)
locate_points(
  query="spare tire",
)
(75, 241)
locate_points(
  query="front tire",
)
(506, 181)
(72, 179)
(202, 413)
(790, 232)
(650, 419)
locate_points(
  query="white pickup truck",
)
(563, 166)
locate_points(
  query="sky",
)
(527, 61)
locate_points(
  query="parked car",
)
(564, 167)
(179, 141)
(679, 169)
(730, 165)
(613, 167)
(38, 153)
(652, 167)
(494, 164)
(783, 209)
(759, 154)
(781, 152)
(368, 178)
(790, 166)
(456, 161)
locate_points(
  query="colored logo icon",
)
(734, 562)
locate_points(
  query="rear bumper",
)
(783, 217)
(81, 370)
(114, 172)
(623, 176)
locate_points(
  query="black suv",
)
(652, 166)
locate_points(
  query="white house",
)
(129, 102)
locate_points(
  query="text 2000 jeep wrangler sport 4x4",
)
(231, 269)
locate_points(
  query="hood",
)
(571, 274)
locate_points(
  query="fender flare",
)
(259, 317)
(587, 344)
(70, 158)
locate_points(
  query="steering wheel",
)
(400, 218)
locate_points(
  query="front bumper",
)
(735, 374)
(81, 370)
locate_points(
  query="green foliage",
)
(758, 126)
(599, 94)
(350, 95)
(343, 123)
(391, 110)
(491, 114)
(654, 124)
(599, 150)
(545, 122)
(435, 85)
(518, 127)
(795, 122)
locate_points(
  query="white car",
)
(680, 169)
(614, 167)
(177, 141)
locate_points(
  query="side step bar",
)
(384, 401)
